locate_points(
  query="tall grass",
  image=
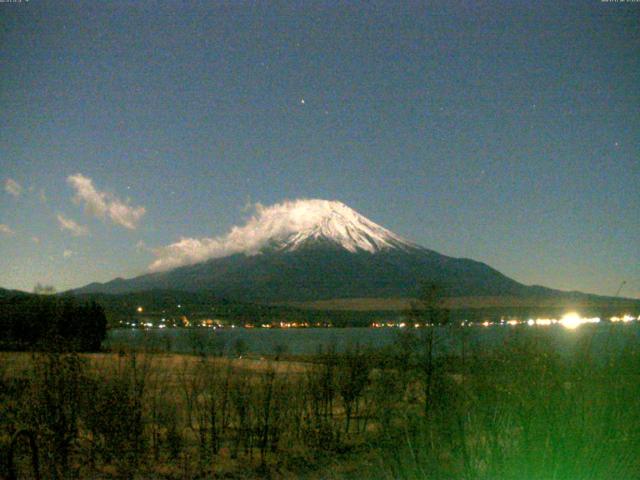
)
(521, 411)
(526, 412)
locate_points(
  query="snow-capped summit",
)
(334, 222)
(280, 254)
(285, 226)
(309, 249)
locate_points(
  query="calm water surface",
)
(304, 341)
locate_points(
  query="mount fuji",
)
(313, 250)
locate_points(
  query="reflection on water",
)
(562, 333)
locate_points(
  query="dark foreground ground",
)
(519, 412)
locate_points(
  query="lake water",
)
(305, 341)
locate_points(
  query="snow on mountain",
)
(337, 223)
(306, 250)
(283, 258)
(289, 226)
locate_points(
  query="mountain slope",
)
(318, 250)
(321, 271)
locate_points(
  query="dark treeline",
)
(33, 322)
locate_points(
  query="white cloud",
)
(104, 204)
(12, 187)
(71, 226)
(275, 221)
(67, 253)
(6, 229)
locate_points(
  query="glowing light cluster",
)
(546, 321)
(570, 320)
(624, 319)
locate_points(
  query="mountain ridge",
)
(318, 250)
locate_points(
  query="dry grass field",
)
(20, 362)
(521, 411)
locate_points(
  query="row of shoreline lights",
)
(573, 320)
(570, 321)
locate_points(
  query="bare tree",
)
(428, 312)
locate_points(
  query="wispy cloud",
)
(6, 229)
(71, 226)
(12, 187)
(104, 204)
(267, 223)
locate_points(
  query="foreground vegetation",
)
(521, 411)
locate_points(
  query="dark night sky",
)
(507, 132)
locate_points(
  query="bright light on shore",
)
(573, 320)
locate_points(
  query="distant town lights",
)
(570, 320)
(625, 318)
(573, 320)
